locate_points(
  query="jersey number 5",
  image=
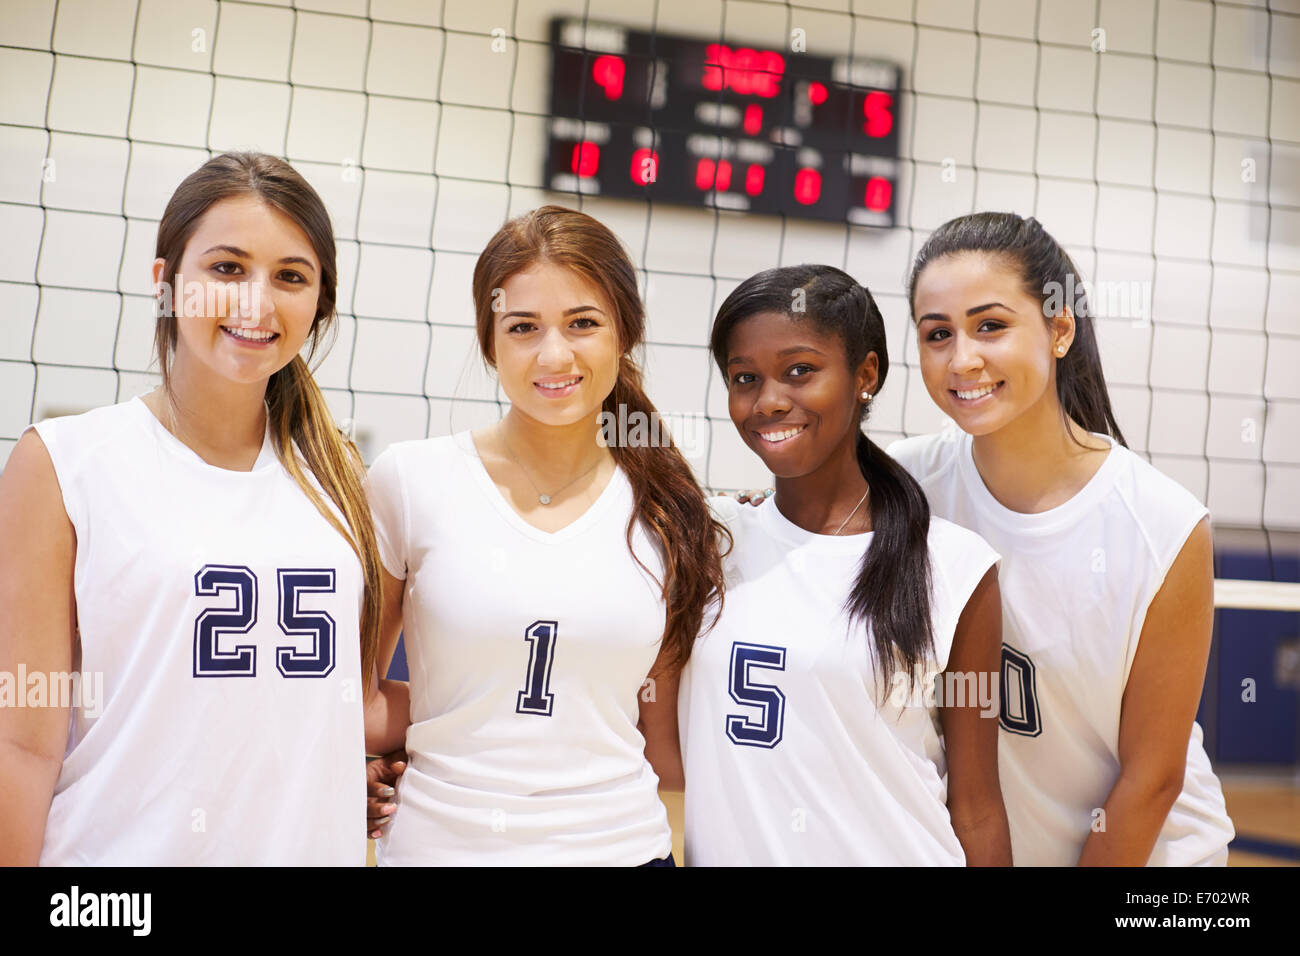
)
(211, 624)
(767, 730)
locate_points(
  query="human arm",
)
(387, 702)
(970, 731)
(1158, 708)
(388, 707)
(388, 714)
(657, 703)
(38, 633)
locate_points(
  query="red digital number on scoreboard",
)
(645, 167)
(876, 110)
(608, 72)
(744, 71)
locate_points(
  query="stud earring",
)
(866, 397)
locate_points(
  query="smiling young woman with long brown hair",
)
(208, 551)
(540, 577)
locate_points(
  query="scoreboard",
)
(680, 120)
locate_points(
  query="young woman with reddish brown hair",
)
(540, 575)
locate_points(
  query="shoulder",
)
(418, 453)
(740, 520)
(1144, 482)
(1163, 510)
(959, 560)
(724, 508)
(927, 455)
(734, 514)
(955, 547)
(73, 441)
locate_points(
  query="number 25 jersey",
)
(219, 613)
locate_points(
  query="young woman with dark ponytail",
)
(833, 714)
(1107, 574)
(203, 558)
(540, 576)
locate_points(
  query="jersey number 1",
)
(536, 697)
(211, 661)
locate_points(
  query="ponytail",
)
(1048, 274)
(669, 506)
(892, 590)
(299, 416)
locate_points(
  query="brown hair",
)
(668, 502)
(298, 413)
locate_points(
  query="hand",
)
(754, 496)
(381, 775)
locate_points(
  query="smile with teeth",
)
(780, 435)
(250, 335)
(557, 385)
(970, 395)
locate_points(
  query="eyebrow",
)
(781, 354)
(532, 315)
(940, 317)
(236, 251)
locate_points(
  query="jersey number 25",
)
(211, 661)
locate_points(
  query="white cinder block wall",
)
(1170, 158)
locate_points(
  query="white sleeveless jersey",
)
(222, 611)
(1076, 584)
(527, 652)
(793, 755)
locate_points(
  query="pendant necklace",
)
(542, 498)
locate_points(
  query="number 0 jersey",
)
(219, 612)
(527, 652)
(1077, 581)
(795, 752)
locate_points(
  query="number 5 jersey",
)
(219, 713)
(796, 753)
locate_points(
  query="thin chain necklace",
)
(855, 509)
(542, 498)
(853, 512)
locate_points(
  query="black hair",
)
(892, 589)
(1048, 274)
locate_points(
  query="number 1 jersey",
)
(528, 654)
